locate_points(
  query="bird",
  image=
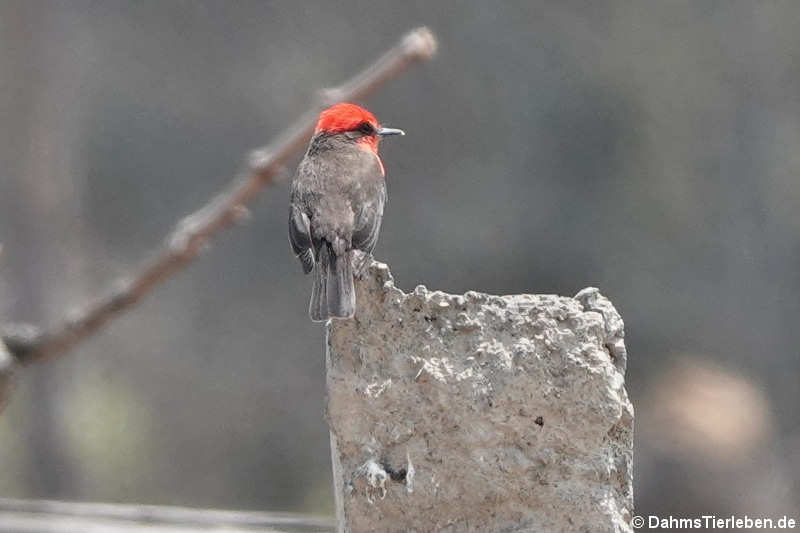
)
(336, 205)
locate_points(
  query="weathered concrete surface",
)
(478, 412)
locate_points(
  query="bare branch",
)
(20, 339)
(7, 366)
(193, 232)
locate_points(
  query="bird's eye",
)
(366, 128)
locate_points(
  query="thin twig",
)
(192, 233)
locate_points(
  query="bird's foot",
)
(362, 261)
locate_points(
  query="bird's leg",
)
(362, 261)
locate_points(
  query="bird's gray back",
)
(339, 185)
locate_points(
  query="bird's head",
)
(355, 124)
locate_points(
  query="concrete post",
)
(478, 412)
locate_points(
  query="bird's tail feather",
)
(318, 308)
(333, 293)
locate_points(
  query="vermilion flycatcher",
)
(337, 200)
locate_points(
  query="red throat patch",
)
(380, 164)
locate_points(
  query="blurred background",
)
(651, 149)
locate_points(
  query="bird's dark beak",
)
(390, 131)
